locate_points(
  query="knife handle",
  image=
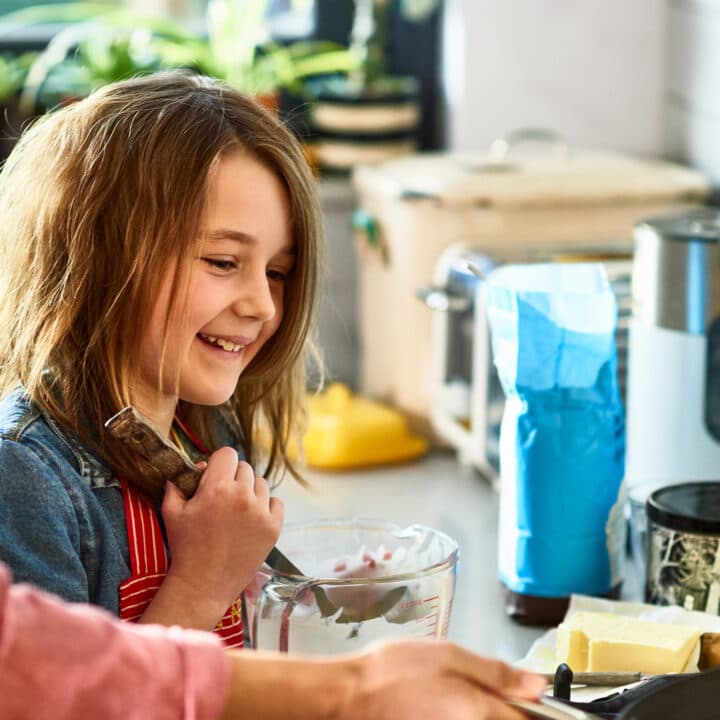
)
(602, 679)
(130, 427)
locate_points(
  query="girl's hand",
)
(218, 539)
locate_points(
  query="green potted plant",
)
(100, 44)
(13, 71)
(97, 44)
(369, 114)
(241, 52)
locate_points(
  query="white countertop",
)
(437, 492)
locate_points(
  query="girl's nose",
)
(256, 299)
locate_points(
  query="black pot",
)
(691, 696)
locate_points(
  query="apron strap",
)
(194, 439)
(145, 541)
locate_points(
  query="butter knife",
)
(603, 679)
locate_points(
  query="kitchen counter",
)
(438, 492)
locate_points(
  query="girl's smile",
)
(233, 345)
(234, 300)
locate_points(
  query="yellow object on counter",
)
(347, 431)
(603, 642)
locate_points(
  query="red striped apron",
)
(149, 562)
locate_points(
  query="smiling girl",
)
(160, 248)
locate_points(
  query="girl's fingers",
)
(221, 464)
(262, 489)
(277, 510)
(245, 474)
(224, 463)
(173, 500)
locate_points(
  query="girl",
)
(160, 248)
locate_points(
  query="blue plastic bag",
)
(562, 437)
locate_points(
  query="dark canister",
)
(683, 546)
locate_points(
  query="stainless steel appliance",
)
(673, 407)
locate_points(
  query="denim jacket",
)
(62, 520)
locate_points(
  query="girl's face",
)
(235, 294)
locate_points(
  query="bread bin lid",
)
(580, 177)
(689, 507)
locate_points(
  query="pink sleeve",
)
(65, 662)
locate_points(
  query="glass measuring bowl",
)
(362, 580)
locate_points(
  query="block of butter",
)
(603, 642)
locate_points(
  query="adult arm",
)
(65, 661)
(403, 679)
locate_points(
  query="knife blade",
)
(549, 709)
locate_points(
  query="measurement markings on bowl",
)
(432, 615)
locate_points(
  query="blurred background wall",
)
(638, 76)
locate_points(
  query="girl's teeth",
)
(228, 346)
(224, 344)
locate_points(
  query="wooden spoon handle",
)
(138, 432)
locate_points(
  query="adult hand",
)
(435, 679)
(421, 679)
(217, 539)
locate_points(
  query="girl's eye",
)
(277, 275)
(224, 265)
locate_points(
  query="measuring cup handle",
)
(285, 596)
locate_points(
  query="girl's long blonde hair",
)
(96, 201)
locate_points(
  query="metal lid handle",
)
(500, 148)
